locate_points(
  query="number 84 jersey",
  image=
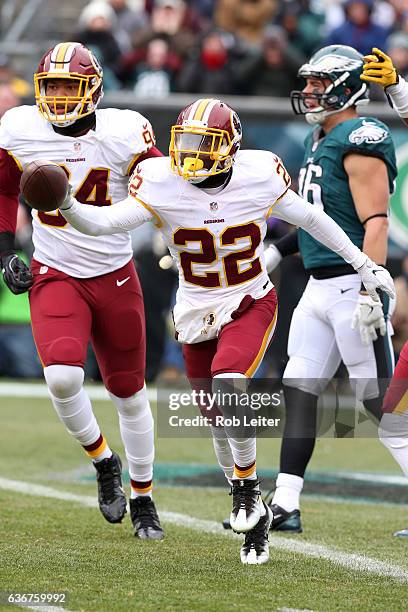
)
(214, 236)
(98, 165)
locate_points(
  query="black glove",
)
(16, 273)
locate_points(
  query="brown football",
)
(44, 185)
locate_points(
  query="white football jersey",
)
(98, 165)
(215, 236)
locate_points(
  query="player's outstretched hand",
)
(272, 258)
(378, 68)
(368, 317)
(16, 274)
(376, 277)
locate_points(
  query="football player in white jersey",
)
(84, 288)
(211, 202)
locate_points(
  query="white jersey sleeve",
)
(97, 221)
(297, 211)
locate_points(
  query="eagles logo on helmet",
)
(205, 140)
(341, 66)
(74, 62)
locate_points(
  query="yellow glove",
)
(378, 68)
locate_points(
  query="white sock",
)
(243, 449)
(287, 492)
(137, 431)
(244, 453)
(73, 407)
(223, 451)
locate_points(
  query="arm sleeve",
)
(9, 190)
(99, 220)
(294, 209)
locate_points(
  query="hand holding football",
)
(44, 185)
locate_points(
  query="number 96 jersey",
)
(214, 236)
(98, 165)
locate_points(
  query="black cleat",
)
(246, 504)
(255, 549)
(111, 497)
(145, 520)
(284, 520)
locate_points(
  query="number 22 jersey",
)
(214, 236)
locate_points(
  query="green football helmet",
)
(342, 65)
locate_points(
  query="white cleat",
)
(255, 549)
(247, 505)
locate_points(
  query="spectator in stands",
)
(174, 20)
(210, 69)
(96, 23)
(246, 19)
(8, 98)
(359, 30)
(273, 70)
(127, 22)
(304, 27)
(205, 10)
(19, 87)
(154, 76)
(397, 49)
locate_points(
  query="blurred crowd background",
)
(156, 51)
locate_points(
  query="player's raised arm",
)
(294, 209)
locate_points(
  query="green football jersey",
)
(323, 180)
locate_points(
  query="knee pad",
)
(64, 350)
(131, 406)
(64, 381)
(300, 375)
(124, 385)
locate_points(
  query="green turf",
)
(50, 545)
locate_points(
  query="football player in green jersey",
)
(348, 170)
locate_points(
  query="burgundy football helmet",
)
(205, 140)
(73, 61)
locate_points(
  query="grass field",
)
(53, 538)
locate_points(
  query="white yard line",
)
(353, 561)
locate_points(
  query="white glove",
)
(69, 199)
(272, 258)
(368, 316)
(376, 277)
